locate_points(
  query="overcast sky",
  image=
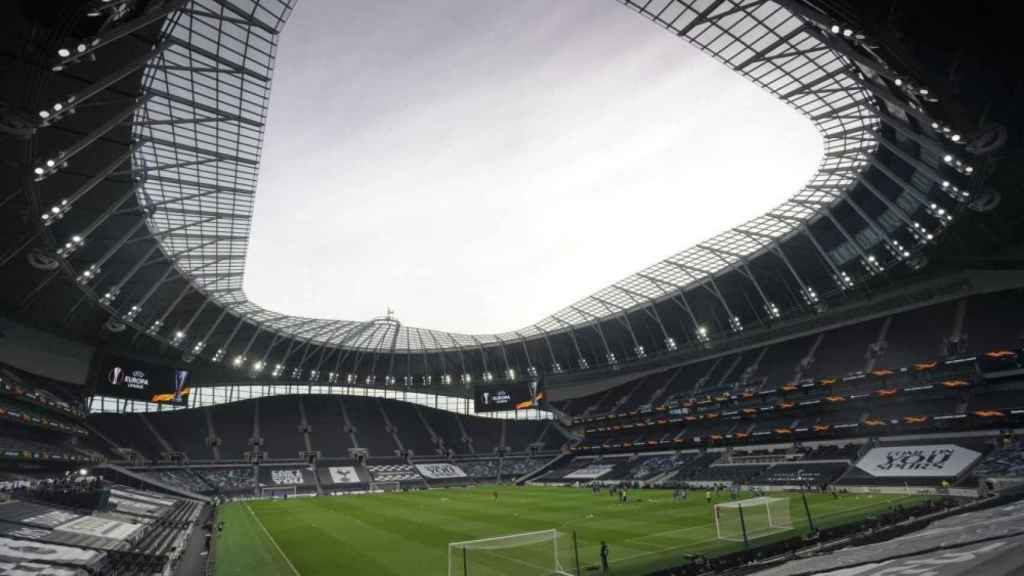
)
(476, 165)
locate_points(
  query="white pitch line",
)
(272, 541)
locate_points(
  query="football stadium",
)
(630, 287)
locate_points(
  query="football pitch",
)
(408, 533)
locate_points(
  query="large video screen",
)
(136, 380)
(507, 396)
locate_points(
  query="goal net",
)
(528, 554)
(385, 487)
(277, 491)
(759, 517)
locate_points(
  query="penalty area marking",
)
(272, 541)
(705, 541)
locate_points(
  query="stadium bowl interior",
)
(786, 397)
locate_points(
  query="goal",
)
(752, 518)
(540, 553)
(385, 487)
(277, 491)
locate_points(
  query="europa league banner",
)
(509, 396)
(125, 378)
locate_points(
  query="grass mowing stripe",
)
(272, 541)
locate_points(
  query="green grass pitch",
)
(408, 533)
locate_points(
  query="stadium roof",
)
(141, 151)
(200, 134)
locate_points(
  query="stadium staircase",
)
(320, 491)
(669, 382)
(539, 442)
(752, 370)
(256, 441)
(565, 432)
(466, 438)
(877, 348)
(703, 380)
(161, 441)
(537, 473)
(958, 319)
(213, 441)
(502, 447)
(348, 424)
(663, 477)
(732, 368)
(637, 385)
(304, 426)
(148, 480)
(808, 360)
(437, 441)
(391, 429)
(95, 433)
(560, 413)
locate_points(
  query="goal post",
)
(385, 487)
(752, 518)
(278, 491)
(541, 553)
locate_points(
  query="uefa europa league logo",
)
(116, 376)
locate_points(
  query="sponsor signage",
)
(287, 477)
(590, 472)
(125, 378)
(932, 460)
(509, 396)
(343, 475)
(440, 471)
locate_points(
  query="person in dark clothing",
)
(604, 557)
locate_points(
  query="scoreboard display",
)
(507, 396)
(136, 380)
